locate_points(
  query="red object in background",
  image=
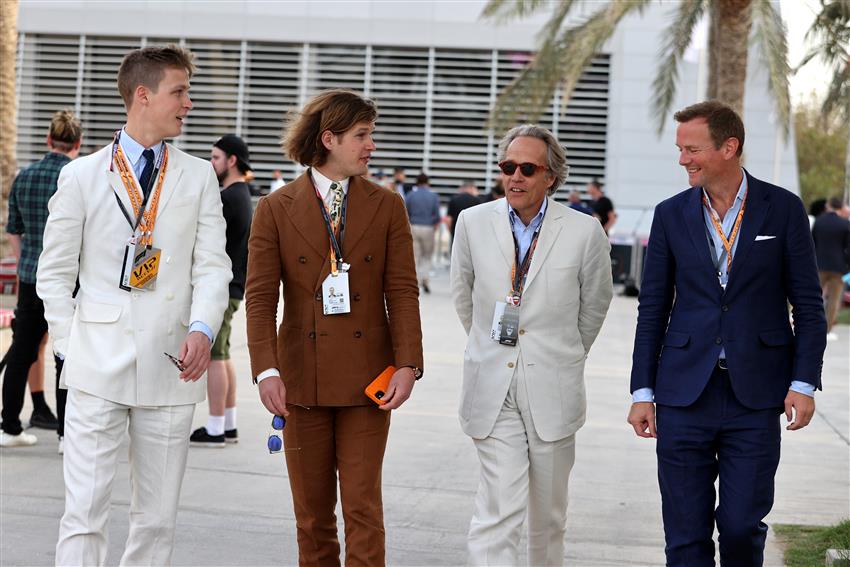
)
(8, 276)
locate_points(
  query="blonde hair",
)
(65, 130)
(147, 66)
(337, 110)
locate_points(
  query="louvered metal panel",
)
(433, 103)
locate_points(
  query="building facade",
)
(434, 68)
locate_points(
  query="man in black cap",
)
(230, 160)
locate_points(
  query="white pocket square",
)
(764, 237)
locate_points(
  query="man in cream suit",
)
(140, 222)
(532, 305)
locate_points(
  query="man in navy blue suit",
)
(714, 349)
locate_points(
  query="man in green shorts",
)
(229, 158)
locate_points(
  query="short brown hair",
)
(147, 66)
(65, 130)
(723, 121)
(337, 110)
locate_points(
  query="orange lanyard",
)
(727, 242)
(148, 219)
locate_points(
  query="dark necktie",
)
(145, 178)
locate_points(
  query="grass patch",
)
(805, 546)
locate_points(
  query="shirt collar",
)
(515, 218)
(739, 198)
(323, 184)
(133, 149)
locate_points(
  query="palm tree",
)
(564, 52)
(8, 106)
(829, 37)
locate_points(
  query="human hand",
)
(273, 395)
(799, 406)
(195, 356)
(642, 418)
(401, 385)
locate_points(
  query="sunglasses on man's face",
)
(527, 169)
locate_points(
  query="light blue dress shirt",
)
(133, 152)
(718, 254)
(525, 234)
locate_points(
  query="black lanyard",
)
(520, 275)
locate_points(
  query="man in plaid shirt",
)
(32, 189)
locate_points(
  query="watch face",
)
(417, 373)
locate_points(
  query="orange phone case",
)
(378, 388)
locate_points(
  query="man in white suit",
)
(141, 223)
(531, 281)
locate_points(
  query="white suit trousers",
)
(520, 471)
(159, 443)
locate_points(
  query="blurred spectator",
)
(277, 181)
(497, 192)
(399, 184)
(31, 190)
(577, 205)
(831, 234)
(603, 208)
(423, 208)
(467, 196)
(817, 208)
(231, 161)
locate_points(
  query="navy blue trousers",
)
(716, 436)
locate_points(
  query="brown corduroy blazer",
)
(327, 360)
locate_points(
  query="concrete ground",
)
(236, 509)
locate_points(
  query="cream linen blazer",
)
(112, 340)
(566, 297)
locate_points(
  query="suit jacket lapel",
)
(301, 205)
(502, 232)
(553, 222)
(755, 211)
(360, 210)
(173, 172)
(695, 221)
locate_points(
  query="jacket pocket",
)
(99, 312)
(676, 339)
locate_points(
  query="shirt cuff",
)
(271, 372)
(643, 395)
(202, 327)
(803, 388)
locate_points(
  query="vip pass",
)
(141, 262)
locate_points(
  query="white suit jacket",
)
(112, 340)
(566, 297)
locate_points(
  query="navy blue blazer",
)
(685, 317)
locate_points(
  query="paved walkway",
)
(236, 509)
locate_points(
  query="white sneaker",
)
(61, 449)
(23, 439)
(832, 337)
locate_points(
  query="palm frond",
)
(830, 32)
(838, 95)
(558, 63)
(770, 35)
(679, 34)
(502, 11)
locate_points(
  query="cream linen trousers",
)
(520, 472)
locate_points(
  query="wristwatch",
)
(417, 372)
